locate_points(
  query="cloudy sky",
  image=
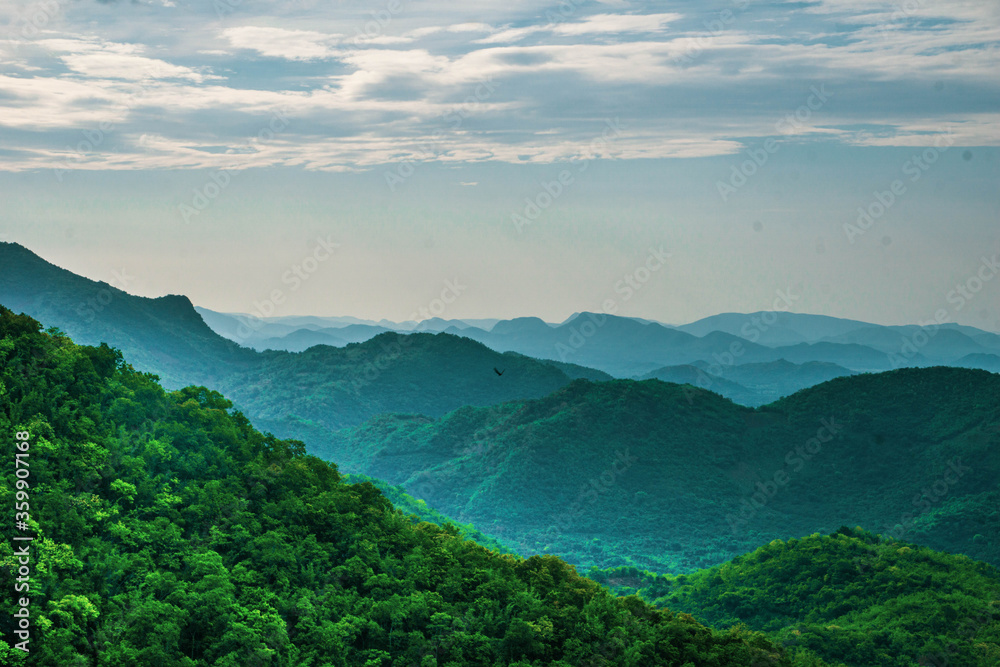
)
(356, 158)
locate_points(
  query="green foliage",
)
(420, 511)
(171, 533)
(850, 597)
(541, 475)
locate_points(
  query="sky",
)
(671, 160)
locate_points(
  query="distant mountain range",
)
(751, 359)
(631, 348)
(756, 383)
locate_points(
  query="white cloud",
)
(384, 97)
(283, 43)
(607, 24)
(616, 24)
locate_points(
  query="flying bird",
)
(498, 372)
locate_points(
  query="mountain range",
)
(163, 529)
(630, 347)
(184, 344)
(663, 483)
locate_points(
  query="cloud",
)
(500, 84)
(616, 23)
(283, 43)
(109, 60)
(598, 24)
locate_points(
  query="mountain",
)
(851, 597)
(244, 329)
(783, 377)
(572, 371)
(987, 362)
(164, 336)
(291, 394)
(751, 384)
(772, 380)
(634, 347)
(672, 478)
(940, 345)
(168, 531)
(309, 394)
(620, 346)
(848, 355)
(300, 340)
(695, 376)
(627, 347)
(774, 328)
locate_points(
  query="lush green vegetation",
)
(670, 478)
(419, 511)
(170, 533)
(852, 597)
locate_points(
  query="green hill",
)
(308, 394)
(669, 478)
(168, 532)
(850, 597)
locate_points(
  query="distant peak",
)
(519, 324)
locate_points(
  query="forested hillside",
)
(169, 532)
(852, 596)
(671, 478)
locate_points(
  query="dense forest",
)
(171, 533)
(672, 478)
(851, 597)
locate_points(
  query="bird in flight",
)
(499, 372)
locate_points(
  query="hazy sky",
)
(526, 158)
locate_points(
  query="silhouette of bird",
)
(499, 372)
